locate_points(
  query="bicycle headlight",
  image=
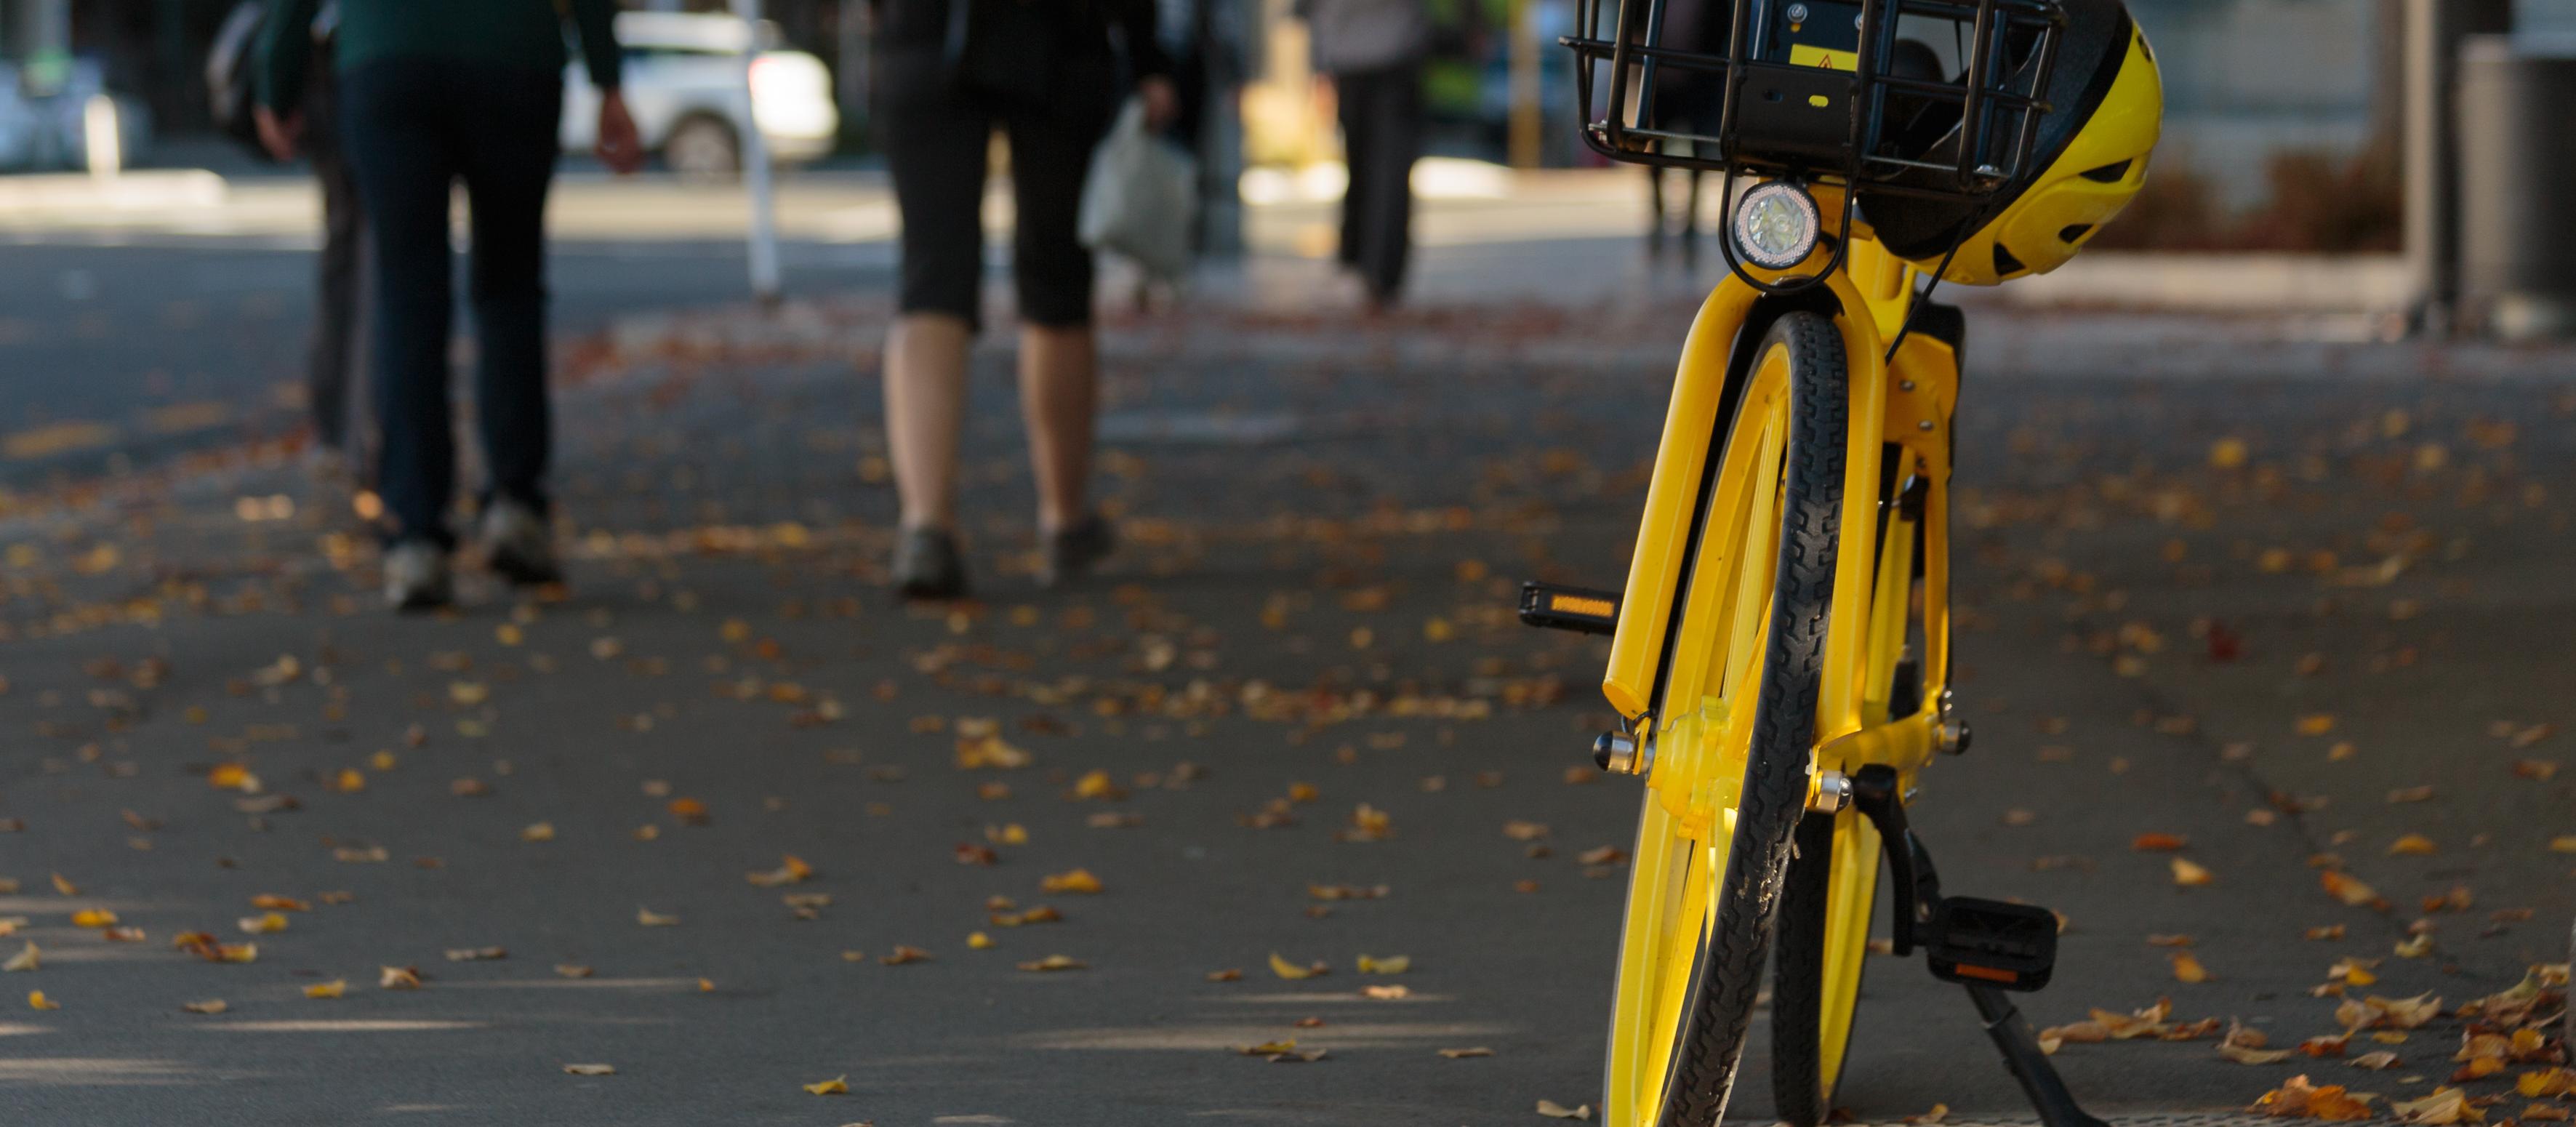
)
(1775, 225)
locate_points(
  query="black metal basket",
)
(1841, 93)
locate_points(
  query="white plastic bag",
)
(1142, 198)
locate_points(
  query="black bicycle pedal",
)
(1580, 609)
(1991, 943)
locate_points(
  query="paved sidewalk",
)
(1299, 684)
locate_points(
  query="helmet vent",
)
(2005, 264)
(2109, 173)
(2073, 232)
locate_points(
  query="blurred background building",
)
(2283, 127)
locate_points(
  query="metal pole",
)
(2433, 32)
(755, 167)
(1525, 121)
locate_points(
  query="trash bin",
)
(2517, 162)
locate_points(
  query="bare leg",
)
(925, 402)
(1059, 396)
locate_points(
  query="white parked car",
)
(683, 81)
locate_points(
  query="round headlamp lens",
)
(1775, 225)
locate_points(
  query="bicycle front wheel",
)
(1738, 708)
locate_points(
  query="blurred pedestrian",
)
(333, 351)
(1686, 100)
(1372, 52)
(432, 94)
(945, 76)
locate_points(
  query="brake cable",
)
(1920, 300)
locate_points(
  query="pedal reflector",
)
(1992, 943)
(1580, 609)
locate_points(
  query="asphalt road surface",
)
(2294, 608)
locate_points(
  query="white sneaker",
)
(517, 543)
(416, 576)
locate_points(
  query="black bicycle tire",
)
(1799, 1095)
(1731, 962)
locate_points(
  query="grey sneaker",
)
(927, 565)
(517, 544)
(416, 576)
(1071, 553)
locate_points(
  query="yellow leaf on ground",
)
(1291, 971)
(2249, 1046)
(2187, 968)
(977, 941)
(1389, 993)
(836, 1086)
(2299, 1099)
(2349, 889)
(397, 978)
(2411, 845)
(791, 870)
(1054, 963)
(591, 1069)
(2316, 724)
(538, 831)
(2190, 874)
(1076, 881)
(2380, 1061)
(27, 958)
(209, 1006)
(264, 924)
(332, 989)
(2563, 843)
(649, 918)
(36, 999)
(64, 886)
(1463, 1054)
(903, 954)
(93, 917)
(2444, 1106)
(1393, 964)
(1555, 1110)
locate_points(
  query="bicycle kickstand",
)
(2029, 1065)
(1987, 946)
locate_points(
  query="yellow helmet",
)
(2106, 107)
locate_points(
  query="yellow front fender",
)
(1692, 435)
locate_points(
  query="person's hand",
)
(619, 147)
(1162, 100)
(279, 135)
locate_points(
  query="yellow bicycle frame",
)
(1906, 405)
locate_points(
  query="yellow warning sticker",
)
(1808, 55)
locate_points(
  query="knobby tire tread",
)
(1784, 726)
(1798, 1093)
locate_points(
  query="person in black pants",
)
(430, 95)
(333, 352)
(1372, 52)
(945, 76)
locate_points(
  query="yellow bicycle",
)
(1781, 653)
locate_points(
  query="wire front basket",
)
(1854, 92)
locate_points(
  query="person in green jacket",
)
(434, 92)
